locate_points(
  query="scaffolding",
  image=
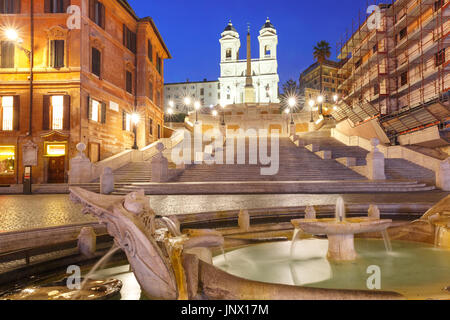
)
(398, 72)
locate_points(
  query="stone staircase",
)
(395, 169)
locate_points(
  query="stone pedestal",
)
(292, 130)
(87, 242)
(310, 213)
(160, 166)
(375, 162)
(107, 181)
(374, 212)
(341, 247)
(80, 167)
(443, 175)
(311, 126)
(244, 220)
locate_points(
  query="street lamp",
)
(187, 102)
(311, 105)
(320, 100)
(135, 118)
(292, 102)
(197, 107)
(223, 113)
(215, 113)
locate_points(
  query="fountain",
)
(341, 231)
(170, 266)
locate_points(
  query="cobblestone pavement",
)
(38, 211)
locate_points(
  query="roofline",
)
(190, 82)
(327, 63)
(130, 10)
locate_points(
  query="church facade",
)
(234, 72)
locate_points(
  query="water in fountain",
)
(437, 234)
(294, 239)
(340, 210)
(172, 226)
(96, 267)
(224, 255)
(387, 240)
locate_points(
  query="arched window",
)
(267, 51)
(228, 54)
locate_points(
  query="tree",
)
(322, 52)
(290, 89)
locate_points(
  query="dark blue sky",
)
(191, 30)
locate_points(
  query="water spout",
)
(387, 241)
(340, 210)
(96, 267)
(294, 239)
(173, 228)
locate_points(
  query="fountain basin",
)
(341, 242)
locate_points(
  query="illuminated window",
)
(56, 150)
(7, 160)
(7, 113)
(95, 109)
(128, 122)
(57, 112)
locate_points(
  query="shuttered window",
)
(7, 54)
(129, 82)
(96, 62)
(56, 112)
(96, 111)
(159, 131)
(57, 53)
(151, 126)
(150, 90)
(129, 39)
(158, 64)
(10, 6)
(150, 51)
(56, 6)
(97, 13)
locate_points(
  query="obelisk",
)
(249, 89)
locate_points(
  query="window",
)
(129, 39)
(7, 113)
(158, 99)
(402, 34)
(56, 6)
(97, 13)
(151, 126)
(228, 54)
(404, 79)
(57, 112)
(7, 160)
(438, 5)
(375, 48)
(96, 62)
(267, 51)
(129, 82)
(57, 53)
(440, 58)
(159, 131)
(97, 111)
(128, 122)
(159, 64)
(150, 51)
(7, 54)
(9, 6)
(376, 89)
(358, 64)
(202, 92)
(150, 90)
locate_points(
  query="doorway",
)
(56, 169)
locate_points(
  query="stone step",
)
(325, 154)
(347, 161)
(313, 147)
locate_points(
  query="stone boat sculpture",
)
(167, 264)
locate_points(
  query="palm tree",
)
(322, 52)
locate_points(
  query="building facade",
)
(309, 84)
(397, 70)
(206, 92)
(233, 70)
(88, 78)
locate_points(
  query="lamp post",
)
(320, 100)
(223, 114)
(311, 106)
(292, 102)
(187, 102)
(135, 119)
(197, 107)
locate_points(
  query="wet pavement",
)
(38, 211)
